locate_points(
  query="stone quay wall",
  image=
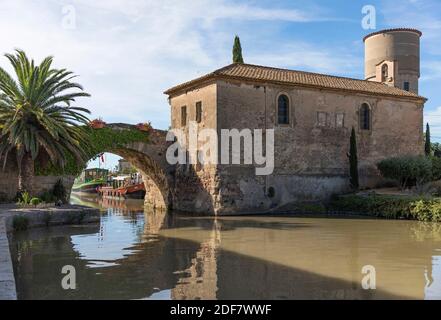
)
(37, 217)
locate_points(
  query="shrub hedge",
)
(436, 168)
(101, 140)
(407, 170)
(391, 207)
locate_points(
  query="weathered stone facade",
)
(310, 151)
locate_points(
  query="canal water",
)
(134, 254)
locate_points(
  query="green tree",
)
(36, 114)
(427, 145)
(436, 149)
(237, 51)
(353, 160)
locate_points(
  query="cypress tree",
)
(427, 145)
(237, 51)
(353, 161)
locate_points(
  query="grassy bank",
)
(390, 206)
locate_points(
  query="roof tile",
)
(249, 72)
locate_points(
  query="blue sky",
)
(127, 52)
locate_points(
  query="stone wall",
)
(195, 186)
(9, 182)
(154, 197)
(7, 279)
(195, 189)
(310, 155)
(46, 183)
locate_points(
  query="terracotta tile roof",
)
(255, 73)
(418, 32)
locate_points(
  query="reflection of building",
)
(93, 174)
(275, 259)
(201, 280)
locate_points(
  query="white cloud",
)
(420, 14)
(431, 70)
(433, 117)
(128, 52)
(307, 57)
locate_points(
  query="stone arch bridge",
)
(170, 187)
(149, 157)
(176, 187)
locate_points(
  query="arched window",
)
(283, 109)
(384, 73)
(365, 117)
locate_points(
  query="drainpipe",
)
(265, 127)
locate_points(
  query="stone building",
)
(312, 116)
(125, 166)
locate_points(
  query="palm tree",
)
(36, 115)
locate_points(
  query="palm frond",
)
(36, 110)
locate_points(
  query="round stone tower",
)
(392, 57)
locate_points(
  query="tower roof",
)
(393, 30)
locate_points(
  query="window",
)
(198, 111)
(339, 120)
(384, 73)
(406, 86)
(322, 119)
(365, 117)
(283, 109)
(183, 116)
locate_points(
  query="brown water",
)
(134, 254)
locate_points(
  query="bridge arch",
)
(179, 187)
(149, 157)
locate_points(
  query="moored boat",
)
(88, 187)
(124, 186)
(134, 191)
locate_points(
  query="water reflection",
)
(153, 255)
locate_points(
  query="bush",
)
(24, 198)
(48, 197)
(407, 170)
(59, 191)
(436, 168)
(20, 223)
(392, 207)
(426, 210)
(312, 208)
(35, 201)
